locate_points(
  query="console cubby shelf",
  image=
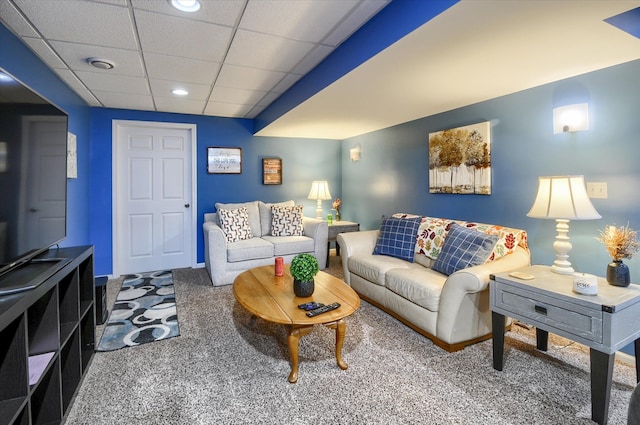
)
(47, 336)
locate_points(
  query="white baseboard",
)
(626, 358)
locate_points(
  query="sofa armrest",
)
(354, 243)
(215, 252)
(455, 299)
(318, 230)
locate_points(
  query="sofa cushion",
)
(397, 237)
(265, 214)
(374, 267)
(249, 249)
(252, 210)
(235, 224)
(286, 221)
(286, 245)
(417, 284)
(463, 248)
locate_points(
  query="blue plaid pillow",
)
(398, 237)
(463, 248)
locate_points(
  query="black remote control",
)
(310, 306)
(323, 309)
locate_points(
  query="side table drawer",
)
(552, 312)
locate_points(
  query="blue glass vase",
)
(618, 273)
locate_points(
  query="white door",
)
(153, 200)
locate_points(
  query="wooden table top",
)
(271, 298)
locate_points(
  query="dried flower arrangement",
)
(620, 242)
(337, 204)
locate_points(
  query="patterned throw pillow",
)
(397, 237)
(286, 221)
(235, 224)
(463, 247)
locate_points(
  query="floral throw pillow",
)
(286, 221)
(235, 224)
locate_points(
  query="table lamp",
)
(562, 198)
(320, 192)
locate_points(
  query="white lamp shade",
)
(563, 197)
(319, 190)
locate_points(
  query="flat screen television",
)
(33, 174)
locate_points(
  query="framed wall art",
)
(271, 171)
(460, 160)
(224, 160)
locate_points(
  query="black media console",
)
(47, 335)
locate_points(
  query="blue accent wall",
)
(303, 160)
(392, 175)
(24, 65)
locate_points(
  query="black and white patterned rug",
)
(144, 311)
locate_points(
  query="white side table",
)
(605, 322)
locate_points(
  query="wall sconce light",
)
(354, 153)
(571, 118)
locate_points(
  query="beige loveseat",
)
(248, 243)
(452, 310)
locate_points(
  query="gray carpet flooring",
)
(227, 367)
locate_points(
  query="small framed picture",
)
(224, 160)
(271, 171)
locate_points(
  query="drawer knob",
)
(540, 309)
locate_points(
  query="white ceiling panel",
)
(239, 96)
(241, 77)
(365, 11)
(127, 62)
(222, 12)
(88, 97)
(162, 88)
(175, 36)
(14, 20)
(81, 22)
(317, 55)
(42, 49)
(227, 109)
(125, 100)
(71, 79)
(181, 69)
(304, 20)
(114, 83)
(266, 52)
(180, 105)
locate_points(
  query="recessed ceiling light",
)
(180, 92)
(101, 63)
(186, 5)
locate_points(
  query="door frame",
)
(192, 128)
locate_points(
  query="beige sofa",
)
(225, 260)
(452, 310)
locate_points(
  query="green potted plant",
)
(303, 268)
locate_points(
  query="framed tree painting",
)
(271, 171)
(460, 160)
(224, 160)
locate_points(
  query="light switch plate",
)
(597, 190)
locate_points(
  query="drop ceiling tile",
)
(93, 23)
(248, 78)
(181, 69)
(240, 96)
(70, 78)
(312, 59)
(254, 111)
(365, 11)
(304, 20)
(14, 20)
(127, 62)
(268, 99)
(43, 50)
(124, 100)
(88, 97)
(180, 106)
(222, 12)
(219, 109)
(263, 51)
(162, 88)
(171, 35)
(115, 83)
(284, 84)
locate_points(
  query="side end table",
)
(339, 227)
(605, 322)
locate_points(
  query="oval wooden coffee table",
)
(271, 298)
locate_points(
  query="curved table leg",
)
(340, 326)
(294, 341)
